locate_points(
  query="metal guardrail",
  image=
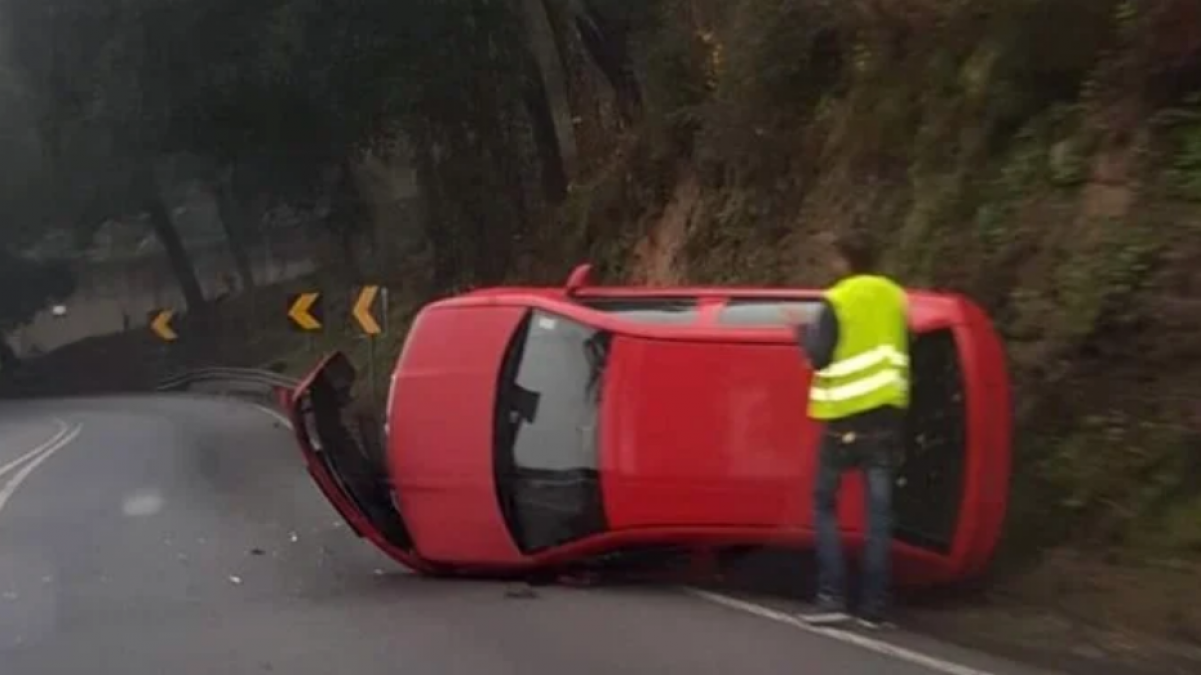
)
(258, 381)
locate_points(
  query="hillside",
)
(1054, 178)
(1057, 182)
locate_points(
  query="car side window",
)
(546, 451)
(767, 311)
(647, 310)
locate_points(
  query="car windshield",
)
(549, 398)
(546, 453)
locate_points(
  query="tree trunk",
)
(233, 223)
(586, 89)
(437, 225)
(559, 24)
(538, 107)
(168, 236)
(495, 202)
(346, 218)
(350, 255)
(607, 45)
(547, 48)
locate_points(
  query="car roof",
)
(580, 300)
(578, 286)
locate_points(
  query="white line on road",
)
(61, 431)
(878, 646)
(47, 451)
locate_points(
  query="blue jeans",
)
(873, 453)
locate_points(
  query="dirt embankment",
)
(1055, 181)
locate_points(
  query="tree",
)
(279, 95)
(28, 287)
(97, 72)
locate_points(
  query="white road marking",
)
(143, 502)
(276, 415)
(47, 451)
(62, 430)
(878, 646)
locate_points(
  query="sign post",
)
(159, 320)
(365, 311)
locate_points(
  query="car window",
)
(546, 461)
(766, 312)
(647, 310)
(555, 394)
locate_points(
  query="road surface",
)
(148, 535)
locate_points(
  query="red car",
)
(533, 429)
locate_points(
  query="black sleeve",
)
(820, 338)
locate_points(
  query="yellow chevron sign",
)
(364, 310)
(304, 309)
(160, 325)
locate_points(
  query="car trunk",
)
(336, 457)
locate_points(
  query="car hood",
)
(440, 433)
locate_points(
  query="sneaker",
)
(824, 617)
(873, 623)
(826, 613)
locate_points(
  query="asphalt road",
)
(148, 535)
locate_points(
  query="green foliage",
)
(1183, 172)
(1099, 282)
(1117, 473)
(673, 72)
(971, 138)
(780, 56)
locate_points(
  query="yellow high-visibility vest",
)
(870, 368)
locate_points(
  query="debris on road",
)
(520, 592)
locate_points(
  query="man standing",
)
(858, 347)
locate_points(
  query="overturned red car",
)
(539, 429)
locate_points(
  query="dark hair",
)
(859, 251)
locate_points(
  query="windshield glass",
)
(551, 400)
(548, 406)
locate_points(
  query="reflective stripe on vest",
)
(871, 363)
(867, 361)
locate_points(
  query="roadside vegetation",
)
(1041, 156)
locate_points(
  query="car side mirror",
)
(580, 277)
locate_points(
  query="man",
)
(858, 347)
